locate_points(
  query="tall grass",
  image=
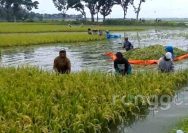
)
(35, 101)
(45, 38)
(42, 27)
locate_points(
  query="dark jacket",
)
(127, 45)
(121, 66)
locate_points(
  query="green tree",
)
(105, 7)
(61, 5)
(2, 13)
(14, 7)
(137, 9)
(92, 6)
(78, 6)
(124, 4)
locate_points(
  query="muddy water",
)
(90, 57)
(161, 119)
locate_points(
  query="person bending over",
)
(121, 64)
(127, 45)
(62, 64)
(166, 63)
(170, 49)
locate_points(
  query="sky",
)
(150, 9)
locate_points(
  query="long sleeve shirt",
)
(166, 66)
(121, 66)
(127, 45)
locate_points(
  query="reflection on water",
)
(161, 120)
(90, 56)
(131, 119)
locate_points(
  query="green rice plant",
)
(145, 23)
(32, 100)
(45, 38)
(183, 125)
(151, 53)
(45, 27)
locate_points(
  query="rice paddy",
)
(32, 100)
(152, 52)
(14, 34)
(21, 39)
(45, 27)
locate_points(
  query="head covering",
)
(119, 55)
(168, 56)
(126, 38)
(169, 48)
(62, 51)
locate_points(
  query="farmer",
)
(107, 32)
(62, 63)
(100, 32)
(166, 63)
(89, 31)
(108, 36)
(121, 65)
(127, 45)
(171, 50)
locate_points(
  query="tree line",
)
(13, 10)
(104, 7)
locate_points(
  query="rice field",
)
(152, 52)
(32, 100)
(21, 39)
(42, 27)
(24, 34)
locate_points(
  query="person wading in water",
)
(127, 45)
(62, 64)
(121, 65)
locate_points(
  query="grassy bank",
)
(36, 101)
(42, 27)
(45, 38)
(145, 23)
(181, 126)
(121, 22)
(151, 52)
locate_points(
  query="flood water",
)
(91, 57)
(161, 120)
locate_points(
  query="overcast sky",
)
(150, 9)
